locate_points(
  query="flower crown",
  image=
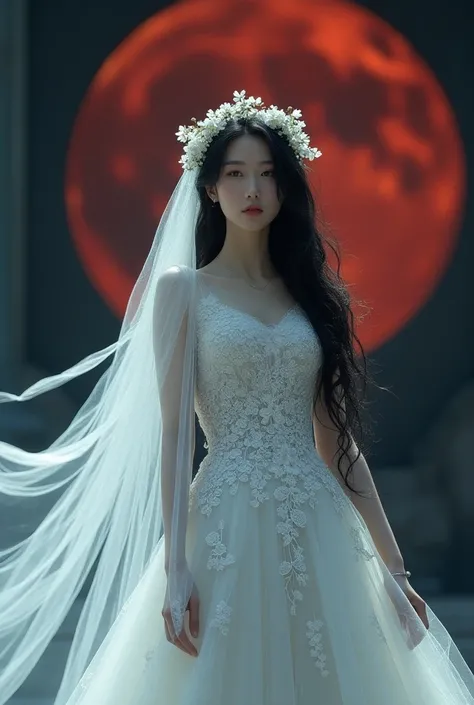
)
(198, 136)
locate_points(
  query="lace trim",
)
(219, 557)
(177, 609)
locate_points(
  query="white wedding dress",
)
(296, 605)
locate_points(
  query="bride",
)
(273, 577)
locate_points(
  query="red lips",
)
(253, 209)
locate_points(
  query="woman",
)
(278, 579)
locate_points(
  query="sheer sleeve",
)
(173, 336)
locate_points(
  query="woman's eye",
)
(237, 172)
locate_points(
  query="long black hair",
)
(313, 284)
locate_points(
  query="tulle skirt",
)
(291, 613)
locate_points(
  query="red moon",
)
(390, 183)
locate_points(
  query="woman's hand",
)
(182, 640)
(411, 626)
(417, 602)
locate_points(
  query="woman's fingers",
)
(194, 613)
(186, 644)
(181, 641)
(413, 630)
(171, 637)
(419, 606)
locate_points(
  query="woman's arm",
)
(173, 350)
(369, 506)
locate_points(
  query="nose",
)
(252, 188)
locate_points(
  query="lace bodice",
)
(255, 382)
(254, 397)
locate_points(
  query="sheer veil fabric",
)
(122, 472)
(100, 487)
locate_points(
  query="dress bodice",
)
(254, 393)
(255, 382)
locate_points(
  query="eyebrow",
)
(268, 161)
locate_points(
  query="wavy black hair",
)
(314, 285)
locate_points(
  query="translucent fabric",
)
(296, 604)
(97, 493)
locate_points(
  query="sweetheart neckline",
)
(270, 326)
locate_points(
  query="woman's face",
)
(247, 178)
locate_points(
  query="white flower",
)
(199, 136)
(219, 557)
(222, 619)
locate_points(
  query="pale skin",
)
(245, 255)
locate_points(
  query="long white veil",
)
(98, 486)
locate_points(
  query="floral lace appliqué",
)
(177, 609)
(315, 639)
(220, 558)
(359, 547)
(254, 400)
(221, 620)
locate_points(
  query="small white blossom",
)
(198, 137)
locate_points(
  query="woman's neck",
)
(246, 256)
